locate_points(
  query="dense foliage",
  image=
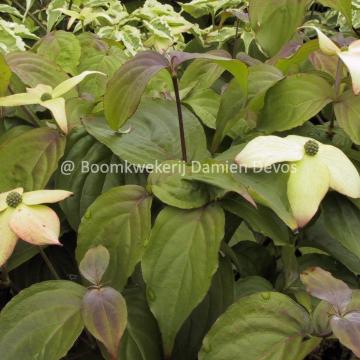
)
(184, 177)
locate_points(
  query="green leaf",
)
(318, 237)
(84, 151)
(5, 75)
(202, 73)
(219, 176)
(55, 308)
(292, 64)
(94, 264)
(344, 6)
(126, 87)
(105, 317)
(29, 159)
(62, 48)
(293, 101)
(262, 326)
(260, 219)
(261, 78)
(33, 69)
(230, 111)
(131, 79)
(342, 221)
(219, 297)
(179, 262)
(251, 285)
(168, 184)
(270, 190)
(347, 111)
(153, 135)
(119, 220)
(105, 62)
(275, 22)
(141, 340)
(205, 104)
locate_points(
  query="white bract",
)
(48, 97)
(22, 217)
(350, 57)
(316, 169)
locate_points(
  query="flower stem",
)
(180, 116)
(49, 263)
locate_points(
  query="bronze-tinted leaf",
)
(94, 264)
(323, 285)
(126, 87)
(105, 316)
(347, 330)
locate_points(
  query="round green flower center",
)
(46, 96)
(13, 199)
(311, 148)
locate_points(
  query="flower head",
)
(22, 217)
(316, 169)
(350, 57)
(48, 97)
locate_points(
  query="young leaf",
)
(33, 69)
(55, 308)
(94, 264)
(323, 285)
(105, 316)
(179, 262)
(126, 87)
(120, 220)
(263, 326)
(347, 330)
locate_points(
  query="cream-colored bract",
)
(350, 57)
(37, 224)
(48, 97)
(311, 176)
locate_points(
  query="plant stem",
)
(30, 15)
(34, 120)
(338, 78)
(70, 4)
(4, 276)
(228, 251)
(180, 116)
(339, 73)
(236, 40)
(49, 263)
